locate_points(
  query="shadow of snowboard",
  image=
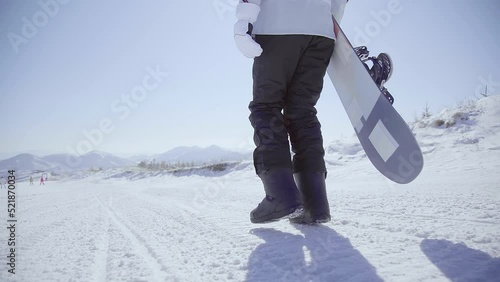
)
(461, 263)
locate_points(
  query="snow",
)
(126, 224)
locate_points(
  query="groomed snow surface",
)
(131, 225)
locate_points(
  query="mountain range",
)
(201, 155)
(98, 159)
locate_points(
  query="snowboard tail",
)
(386, 138)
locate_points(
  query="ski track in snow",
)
(139, 245)
(119, 226)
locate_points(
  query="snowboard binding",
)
(380, 71)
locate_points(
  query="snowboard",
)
(384, 135)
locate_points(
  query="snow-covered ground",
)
(125, 225)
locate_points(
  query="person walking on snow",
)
(291, 43)
(42, 181)
(3, 182)
(31, 180)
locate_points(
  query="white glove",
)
(246, 13)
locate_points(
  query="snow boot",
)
(282, 197)
(312, 186)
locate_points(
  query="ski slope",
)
(127, 225)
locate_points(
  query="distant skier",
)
(31, 180)
(42, 182)
(3, 182)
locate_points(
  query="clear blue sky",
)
(71, 72)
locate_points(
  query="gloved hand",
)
(246, 13)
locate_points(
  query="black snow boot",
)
(312, 186)
(282, 197)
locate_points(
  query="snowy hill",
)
(473, 125)
(97, 159)
(28, 162)
(470, 123)
(67, 161)
(64, 162)
(128, 224)
(455, 135)
(200, 155)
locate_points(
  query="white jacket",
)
(311, 17)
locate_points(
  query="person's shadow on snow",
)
(461, 263)
(319, 254)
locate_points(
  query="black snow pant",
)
(287, 83)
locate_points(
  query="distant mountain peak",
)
(98, 153)
(196, 154)
(58, 162)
